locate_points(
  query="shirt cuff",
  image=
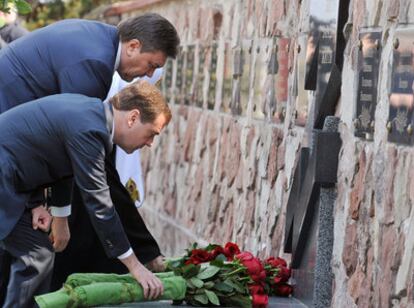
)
(63, 211)
(126, 254)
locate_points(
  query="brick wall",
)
(224, 166)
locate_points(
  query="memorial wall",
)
(292, 135)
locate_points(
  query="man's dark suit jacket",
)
(70, 56)
(54, 138)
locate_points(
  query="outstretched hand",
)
(151, 285)
(41, 218)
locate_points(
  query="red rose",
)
(230, 250)
(256, 289)
(283, 289)
(283, 275)
(217, 251)
(253, 265)
(199, 256)
(276, 262)
(244, 256)
(259, 300)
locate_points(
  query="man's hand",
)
(41, 218)
(151, 285)
(60, 234)
(157, 265)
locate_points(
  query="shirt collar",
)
(118, 56)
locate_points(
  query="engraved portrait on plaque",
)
(368, 69)
(400, 122)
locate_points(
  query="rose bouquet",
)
(224, 276)
(214, 275)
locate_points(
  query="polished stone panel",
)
(201, 62)
(212, 84)
(227, 79)
(167, 79)
(400, 120)
(189, 75)
(236, 107)
(179, 77)
(369, 52)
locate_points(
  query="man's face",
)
(138, 134)
(135, 63)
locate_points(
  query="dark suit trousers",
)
(26, 264)
(84, 252)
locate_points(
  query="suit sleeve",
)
(89, 77)
(87, 154)
(60, 197)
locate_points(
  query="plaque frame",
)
(369, 54)
(400, 121)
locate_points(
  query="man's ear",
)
(134, 116)
(132, 45)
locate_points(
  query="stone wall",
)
(224, 166)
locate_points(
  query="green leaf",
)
(217, 262)
(23, 7)
(212, 297)
(190, 270)
(223, 286)
(208, 272)
(209, 284)
(201, 298)
(190, 285)
(236, 285)
(198, 283)
(237, 301)
(221, 257)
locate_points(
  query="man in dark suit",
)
(57, 137)
(77, 56)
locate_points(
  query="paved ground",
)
(274, 302)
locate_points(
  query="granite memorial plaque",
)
(368, 69)
(167, 79)
(212, 84)
(189, 75)
(199, 94)
(400, 121)
(227, 79)
(179, 76)
(236, 108)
